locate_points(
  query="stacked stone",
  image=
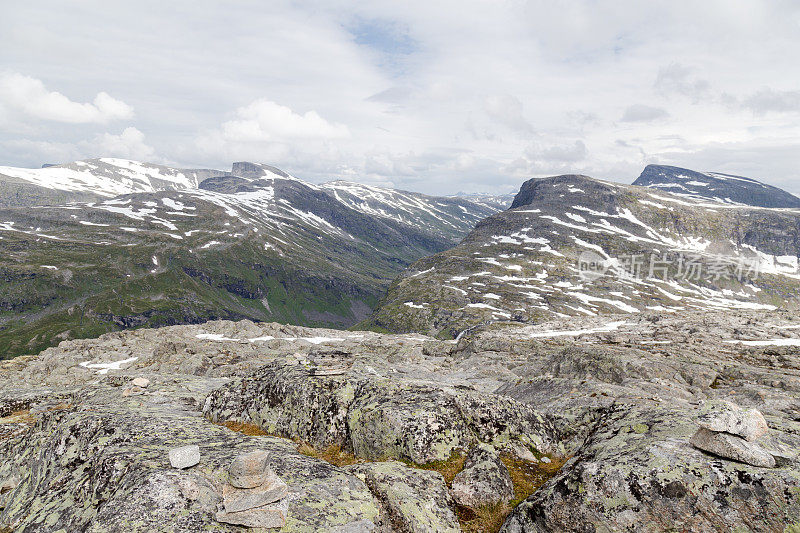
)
(254, 495)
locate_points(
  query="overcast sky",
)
(434, 96)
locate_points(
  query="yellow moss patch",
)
(333, 454)
(447, 468)
(527, 477)
(19, 417)
(245, 428)
(484, 519)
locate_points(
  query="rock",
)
(732, 447)
(377, 417)
(8, 484)
(140, 382)
(236, 500)
(485, 480)
(722, 416)
(250, 470)
(132, 391)
(415, 500)
(522, 452)
(185, 456)
(267, 516)
(625, 480)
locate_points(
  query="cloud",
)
(566, 153)
(678, 78)
(128, 145)
(643, 113)
(28, 96)
(386, 92)
(769, 100)
(266, 121)
(507, 110)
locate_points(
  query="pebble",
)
(185, 456)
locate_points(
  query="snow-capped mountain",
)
(96, 178)
(572, 246)
(262, 245)
(715, 186)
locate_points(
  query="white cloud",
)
(508, 110)
(433, 96)
(29, 97)
(129, 144)
(266, 121)
(643, 113)
(767, 100)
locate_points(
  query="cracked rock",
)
(485, 480)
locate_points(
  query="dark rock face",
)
(715, 186)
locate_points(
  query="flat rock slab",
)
(236, 499)
(727, 417)
(268, 516)
(732, 447)
(185, 456)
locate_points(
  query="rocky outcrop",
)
(621, 410)
(376, 417)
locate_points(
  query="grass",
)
(528, 477)
(448, 468)
(245, 428)
(333, 454)
(483, 519)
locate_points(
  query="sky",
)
(433, 96)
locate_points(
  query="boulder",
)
(732, 447)
(185, 456)
(140, 382)
(727, 417)
(415, 500)
(485, 480)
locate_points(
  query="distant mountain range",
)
(186, 246)
(572, 245)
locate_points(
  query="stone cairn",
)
(254, 495)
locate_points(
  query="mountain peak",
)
(725, 188)
(555, 188)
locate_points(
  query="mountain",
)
(90, 180)
(572, 245)
(716, 186)
(261, 245)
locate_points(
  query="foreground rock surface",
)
(76, 455)
(485, 480)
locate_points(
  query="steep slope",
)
(715, 186)
(266, 246)
(91, 180)
(572, 245)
